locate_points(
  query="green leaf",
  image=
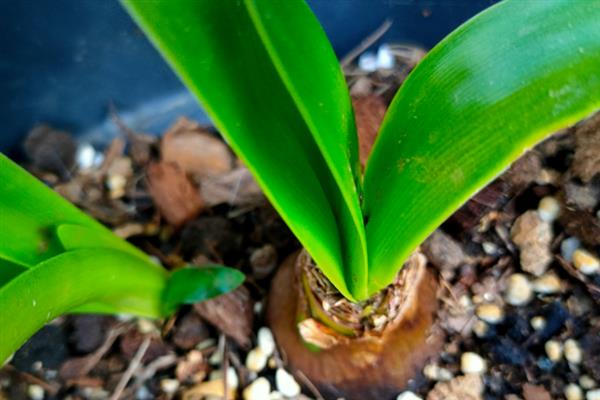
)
(73, 237)
(489, 91)
(284, 110)
(68, 281)
(8, 270)
(191, 285)
(30, 213)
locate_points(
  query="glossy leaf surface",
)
(492, 89)
(70, 280)
(267, 76)
(30, 213)
(190, 285)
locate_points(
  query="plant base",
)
(366, 367)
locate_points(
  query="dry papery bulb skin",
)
(373, 364)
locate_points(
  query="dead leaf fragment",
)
(533, 392)
(237, 187)
(197, 152)
(369, 112)
(174, 195)
(467, 387)
(231, 313)
(586, 160)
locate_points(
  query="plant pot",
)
(368, 366)
(67, 65)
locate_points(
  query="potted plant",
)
(268, 78)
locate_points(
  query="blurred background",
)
(70, 63)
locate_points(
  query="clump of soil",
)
(518, 266)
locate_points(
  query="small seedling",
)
(266, 74)
(54, 259)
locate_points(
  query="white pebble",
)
(256, 360)
(265, 341)
(472, 363)
(573, 392)
(286, 384)
(275, 395)
(257, 390)
(593, 395)
(568, 247)
(548, 209)
(408, 396)
(538, 322)
(490, 313)
(35, 392)
(586, 382)
(519, 291)
(85, 156)
(232, 378)
(435, 373)
(585, 261)
(573, 352)
(480, 328)
(489, 248)
(385, 58)
(554, 350)
(548, 283)
(367, 62)
(169, 386)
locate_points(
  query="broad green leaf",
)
(235, 57)
(73, 237)
(190, 285)
(67, 281)
(489, 91)
(8, 270)
(30, 213)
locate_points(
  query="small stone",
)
(35, 392)
(232, 377)
(519, 291)
(554, 350)
(548, 209)
(85, 157)
(286, 384)
(256, 360)
(586, 382)
(490, 313)
(568, 247)
(533, 236)
(435, 373)
(573, 392)
(548, 283)
(585, 261)
(480, 328)
(490, 248)
(266, 342)
(472, 363)
(263, 261)
(573, 352)
(169, 386)
(146, 326)
(538, 323)
(408, 396)
(275, 395)
(385, 58)
(593, 395)
(367, 62)
(257, 390)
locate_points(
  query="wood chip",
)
(586, 163)
(533, 392)
(196, 151)
(369, 112)
(231, 313)
(173, 193)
